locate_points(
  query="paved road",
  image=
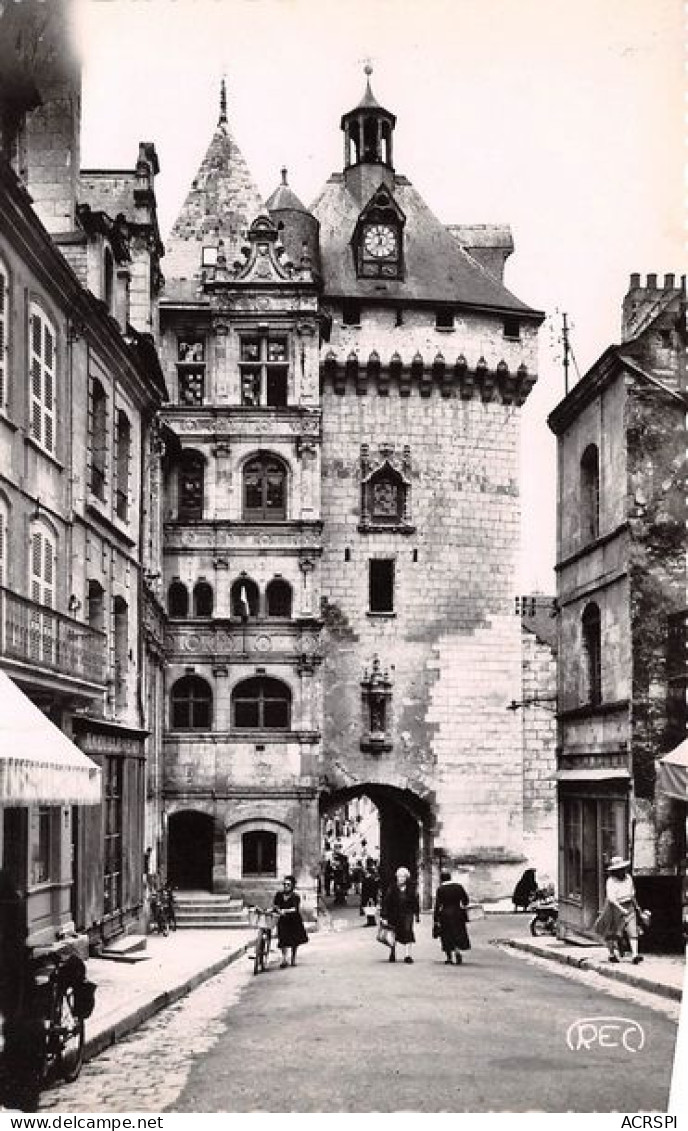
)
(347, 1032)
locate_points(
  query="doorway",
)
(190, 851)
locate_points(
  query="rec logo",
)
(590, 1033)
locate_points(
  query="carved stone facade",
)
(345, 393)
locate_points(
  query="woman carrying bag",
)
(400, 907)
(619, 919)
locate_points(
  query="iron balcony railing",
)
(38, 635)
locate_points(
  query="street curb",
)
(583, 963)
(125, 1025)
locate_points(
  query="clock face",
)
(380, 241)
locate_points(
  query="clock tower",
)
(426, 364)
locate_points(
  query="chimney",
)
(47, 153)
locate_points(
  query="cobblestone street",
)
(317, 1026)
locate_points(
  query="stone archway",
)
(406, 824)
(190, 835)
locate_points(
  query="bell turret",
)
(368, 131)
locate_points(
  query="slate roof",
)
(221, 204)
(437, 268)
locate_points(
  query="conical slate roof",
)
(284, 198)
(221, 204)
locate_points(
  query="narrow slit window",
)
(381, 585)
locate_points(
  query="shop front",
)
(43, 776)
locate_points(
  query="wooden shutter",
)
(42, 365)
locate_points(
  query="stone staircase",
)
(202, 909)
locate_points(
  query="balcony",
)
(54, 647)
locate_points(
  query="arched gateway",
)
(406, 829)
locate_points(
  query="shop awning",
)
(672, 772)
(39, 765)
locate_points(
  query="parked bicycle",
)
(264, 919)
(158, 912)
(46, 1040)
(170, 906)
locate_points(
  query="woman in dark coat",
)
(450, 918)
(525, 890)
(291, 932)
(400, 907)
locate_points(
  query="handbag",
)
(386, 935)
(644, 919)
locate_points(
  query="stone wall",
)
(452, 646)
(539, 755)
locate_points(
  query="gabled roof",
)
(220, 205)
(615, 360)
(436, 268)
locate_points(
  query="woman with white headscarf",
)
(400, 907)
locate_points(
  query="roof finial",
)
(368, 69)
(284, 174)
(223, 103)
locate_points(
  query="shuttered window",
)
(4, 336)
(42, 365)
(42, 568)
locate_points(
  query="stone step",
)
(213, 912)
(211, 917)
(128, 948)
(223, 901)
(213, 925)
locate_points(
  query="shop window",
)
(113, 854)
(265, 489)
(191, 370)
(592, 653)
(203, 599)
(43, 370)
(278, 597)
(264, 370)
(381, 585)
(178, 599)
(44, 822)
(192, 704)
(573, 849)
(122, 461)
(261, 703)
(590, 493)
(98, 438)
(191, 486)
(245, 598)
(259, 853)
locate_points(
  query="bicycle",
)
(158, 913)
(60, 1000)
(265, 920)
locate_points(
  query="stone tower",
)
(342, 523)
(429, 359)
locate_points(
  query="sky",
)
(562, 119)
